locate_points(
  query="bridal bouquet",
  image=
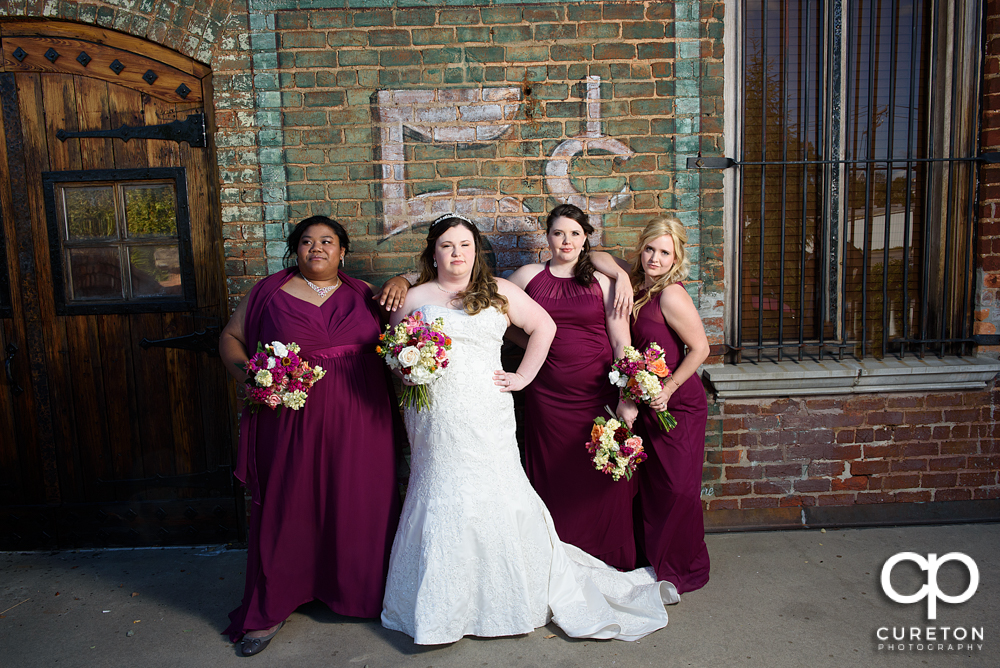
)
(614, 449)
(418, 349)
(641, 377)
(278, 377)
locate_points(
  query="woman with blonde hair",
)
(672, 530)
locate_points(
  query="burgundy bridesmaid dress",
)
(325, 500)
(672, 525)
(590, 510)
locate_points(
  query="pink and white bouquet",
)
(418, 350)
(614, 449)
(641, 377)
(279, 377)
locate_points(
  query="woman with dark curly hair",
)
(476, 552)
(590, 509)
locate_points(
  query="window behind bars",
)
(857, 177)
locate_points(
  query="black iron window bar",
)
(831, 40)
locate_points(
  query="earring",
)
(435, 263)
(342, 261)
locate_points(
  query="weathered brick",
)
(614, 51)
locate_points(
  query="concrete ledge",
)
(810, 377)
(875, 514)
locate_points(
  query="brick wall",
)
(987, 310)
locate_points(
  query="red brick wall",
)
(855, 449)
(987, 312)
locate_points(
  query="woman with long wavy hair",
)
(476, 552)
(672, 531)
(590, 509)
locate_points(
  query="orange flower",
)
(378, 349)
(659, 367)
(595, 433)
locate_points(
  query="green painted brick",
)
(610, 51)
(590, 11)
(460, 17)
(570, 52)
(598, 30)
(328, 19)
(604, 185)
(635, 164)
(303, 156)
(433, 36)
(533, 74)
(454, 75)
(399, 58)
(294, 173)
(418, 188)
(487, 54)
(488, 150)
(529, 54)
(363, 172)
(611, 109)
(457, 168)
(573, 109)
(543, 91)
(347, 38)
(466, 35)
(662, 70)
(485, 184)
(300, 79)
(496, 74)
(303, 40)
(576, 72)
(640, 182)
(555, 72)
(321, 136)
(534, 167)
(298, 192)
(304, 118)
(591, 166)
(509, 34)
(388, 265)
(499, 15)
(438, 56)
(389, 38)
(420, 170)
(540, 14)
(553, 31)
(424, 16)
(643, 30)
(316, 59)
(660, 10)
(506, 168)
(326, 98)
(344, 154)
(521, 186)
(475, 74)
(372, 18)
(652, 107)
(623, 128)
(442, 152)
(663, 126)
(348, 191)
(652, 144)
(326, 173)
(347, 79)
(656, 51)
(623, 11)
(350, 116)
(632, 90)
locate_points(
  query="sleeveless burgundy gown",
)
(672, 529)
(589, 509)
(325, 500)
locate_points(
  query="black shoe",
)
(251, 646)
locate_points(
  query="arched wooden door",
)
(117, 427)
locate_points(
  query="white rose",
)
(420, 375)
(409, 356)
(279, 349)
(271, 362)
(614, 377)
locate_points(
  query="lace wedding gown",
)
(476, 552)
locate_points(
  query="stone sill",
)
(911, 374)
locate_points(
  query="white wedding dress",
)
(476, 552)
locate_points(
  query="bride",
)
(476, 552)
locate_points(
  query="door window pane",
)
(155, 271)
(150, 210)
(89, 212)
(96, 273)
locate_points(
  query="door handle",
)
(15, 388)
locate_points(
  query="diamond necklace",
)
(322, 292)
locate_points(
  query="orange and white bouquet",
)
(641, 377)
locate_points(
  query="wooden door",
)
(123, 431)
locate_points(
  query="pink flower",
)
(273, 401)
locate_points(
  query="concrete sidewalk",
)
(776, 599)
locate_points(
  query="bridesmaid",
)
(590, 510)
(322, 479)
(672, 525)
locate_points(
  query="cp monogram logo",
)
(930, 591)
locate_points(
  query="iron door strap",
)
(205, 341)
(14, 387)
(191, 130)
